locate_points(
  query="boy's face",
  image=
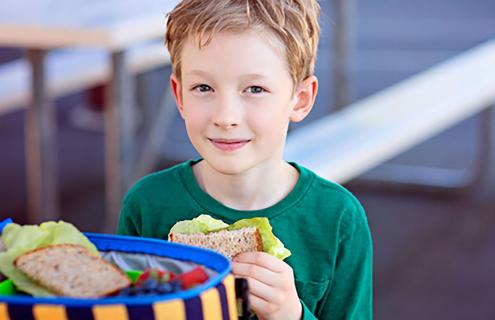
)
(236, 98)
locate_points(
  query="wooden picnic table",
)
(39, 26)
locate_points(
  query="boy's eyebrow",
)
(254, 76)
(198, 73)
(202, 73)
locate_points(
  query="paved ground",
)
(434, 253)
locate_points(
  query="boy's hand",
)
(272, 292)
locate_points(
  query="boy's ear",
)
(304, 96)
(177, 90)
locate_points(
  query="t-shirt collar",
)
(230, 215)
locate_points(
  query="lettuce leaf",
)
(271, 244)
(21, 239)
(201, 224)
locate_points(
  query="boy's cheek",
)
(195, 118)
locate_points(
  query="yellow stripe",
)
(107, 312)
(4, 314)
(229, 284)
(210, 300)
(170, 310)
(49, 312)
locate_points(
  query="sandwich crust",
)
(72, 270)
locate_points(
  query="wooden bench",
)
(72, 70)
(347, 143)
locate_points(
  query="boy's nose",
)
(228, 113)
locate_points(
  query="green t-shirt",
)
(322, 224)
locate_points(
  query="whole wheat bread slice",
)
(228, 243)
(72, 270)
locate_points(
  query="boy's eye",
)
(255, 89)
(202, 88)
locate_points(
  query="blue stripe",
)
(78, 313)
(140, 312)
(20, 312)
(194, 309)
(223, 301)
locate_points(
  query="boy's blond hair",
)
(293, 22)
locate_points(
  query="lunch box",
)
(215, 299)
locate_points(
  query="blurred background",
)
(434, 246)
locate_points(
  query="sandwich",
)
(246, 235)
(226, 242)
(71, 270)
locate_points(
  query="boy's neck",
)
(256, 189)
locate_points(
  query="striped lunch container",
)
(213, 300)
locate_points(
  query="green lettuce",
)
(206, 224)
(21, 239)
(201, 224)
(271, 244)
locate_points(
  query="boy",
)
(242, 70)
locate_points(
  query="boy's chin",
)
(234, 166)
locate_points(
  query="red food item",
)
(144, 276)
(187, 280)
(193, 278)
(159, 275)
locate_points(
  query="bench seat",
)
(71, 70)
(347, 143)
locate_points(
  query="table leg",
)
(41, 151)
(118, 138)
(342, 45)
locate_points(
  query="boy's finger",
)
(261, 259)
(258, 305)
(261, 290)
(247, 270)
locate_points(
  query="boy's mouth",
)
(229, 144)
